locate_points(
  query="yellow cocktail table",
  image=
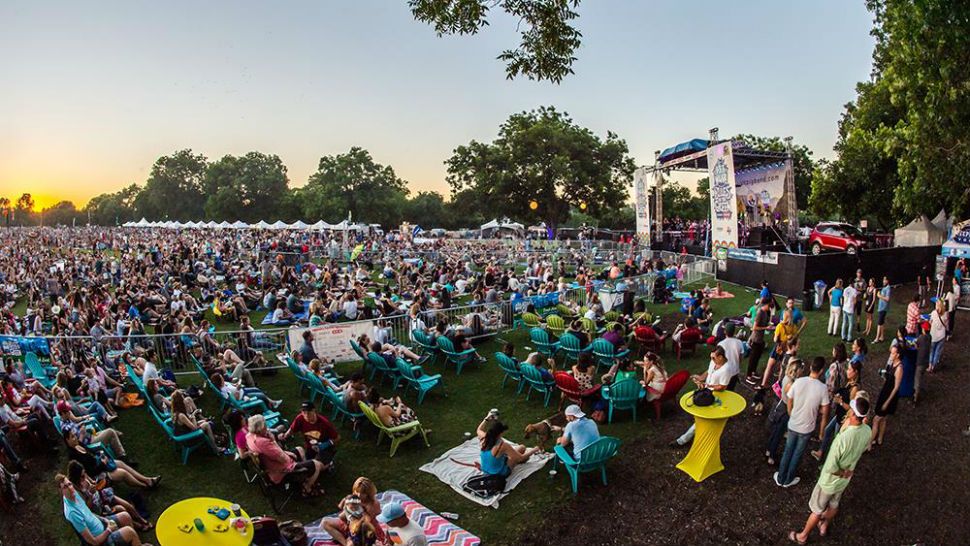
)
(186, 511)
(704, 458)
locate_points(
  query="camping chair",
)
(459, 359)
(671, 389)
(413, 376)
(623, 395)
(545, 346)
(555, 324)
(511, 370)
(536, 382)
(592, 458)
(398, 434)
(274, 492)
(569, 388)
(185, 444)
(571, 347)
(605, 352)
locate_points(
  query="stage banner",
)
(761, 193)
(724, 203)
(332, 340)
(641, 195)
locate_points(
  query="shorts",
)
(882, 318)
(301, 471)
(820, 501)
(117, 539)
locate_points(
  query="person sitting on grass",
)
(497, 457)
(360, 505)
(113, 530)
(407, 530)
(282, 465)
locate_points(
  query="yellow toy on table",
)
(704, 458)
(179, 524)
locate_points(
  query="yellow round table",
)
(186, 511)
(704, 458)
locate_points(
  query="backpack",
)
(485, 485)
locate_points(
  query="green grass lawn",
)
(449, 412)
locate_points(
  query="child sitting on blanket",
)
(357, 523)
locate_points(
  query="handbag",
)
(485, 485)
(294, 533)
(702, 398)
(266, 531)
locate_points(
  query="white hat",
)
(573, 411)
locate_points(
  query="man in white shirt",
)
(807, 398)
(350, 309)
(717, 378)
(397, 521)
(849, 296)
(733, 349)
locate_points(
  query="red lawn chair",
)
(569, 388)
(687, 344)
(671, 389)
(653, 343)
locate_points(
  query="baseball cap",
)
(573, 411)
(307, 405)
(390, 512)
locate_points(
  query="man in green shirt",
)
(839, 466)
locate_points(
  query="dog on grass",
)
(545, 429)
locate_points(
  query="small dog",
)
(545, 429)
(758, 401)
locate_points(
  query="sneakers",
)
(778, 483)
(792, 483)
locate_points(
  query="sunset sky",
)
(92, 93)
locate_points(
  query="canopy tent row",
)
(920, 232)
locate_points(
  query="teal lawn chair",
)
(571, 346)
(413, 376)
(459, 359)
(342, 412)
(592, 458)
(301, 376)
(316, 387)
(377, 364)
(426, 346)
(185, 444)
(611, 316)
(623, 395)
(38, 371)
(399, 434)
(533, 377)
(511, 369)
(545, 345)
(606, 353)
(92, 422)
(357, 349)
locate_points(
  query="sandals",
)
(793, 537)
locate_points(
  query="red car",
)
(836, 236)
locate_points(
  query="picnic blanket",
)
(455, 475)
(438, 530)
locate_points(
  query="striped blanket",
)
(438, 530)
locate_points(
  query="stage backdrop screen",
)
(761, 193)
(641, 194)
(724, 205)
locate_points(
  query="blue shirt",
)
(884, 305)
(836, 297)
(581, 433)
(797, 316)
(765, 293)
(80, 516)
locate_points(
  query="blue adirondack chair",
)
(38, 371)
(414, 377)
(592, 458)
(459, 359)
(545, 345)
(249, 407)
(301, 376)
(623, 395)
(571, 347)
(342, 412)
(511, 369)
(426, 347)
(606, 353)
(377, 364)
(185, 444)
(536, 382)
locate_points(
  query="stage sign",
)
(724, 205)
(332, 340)
(752, 255)
(761, 193)
(641, 195)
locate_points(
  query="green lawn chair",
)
(185, 444)
(545, 346)
(611, 316)
(511, 369)
(556, 325)
(592, 458)
(459, 359)
(531, 320)
(623, 395)
(605, 353)
(533, 377)
(563, 310)
(38, 371)
(377, 364)
(610, 325)
(590, 326)
(571, 347)
(414, 377)
(398, 434)
(426, 347)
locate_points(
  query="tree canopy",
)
(542, 165)
(174, 189)
(247, 188)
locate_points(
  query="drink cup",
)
(236, 511)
